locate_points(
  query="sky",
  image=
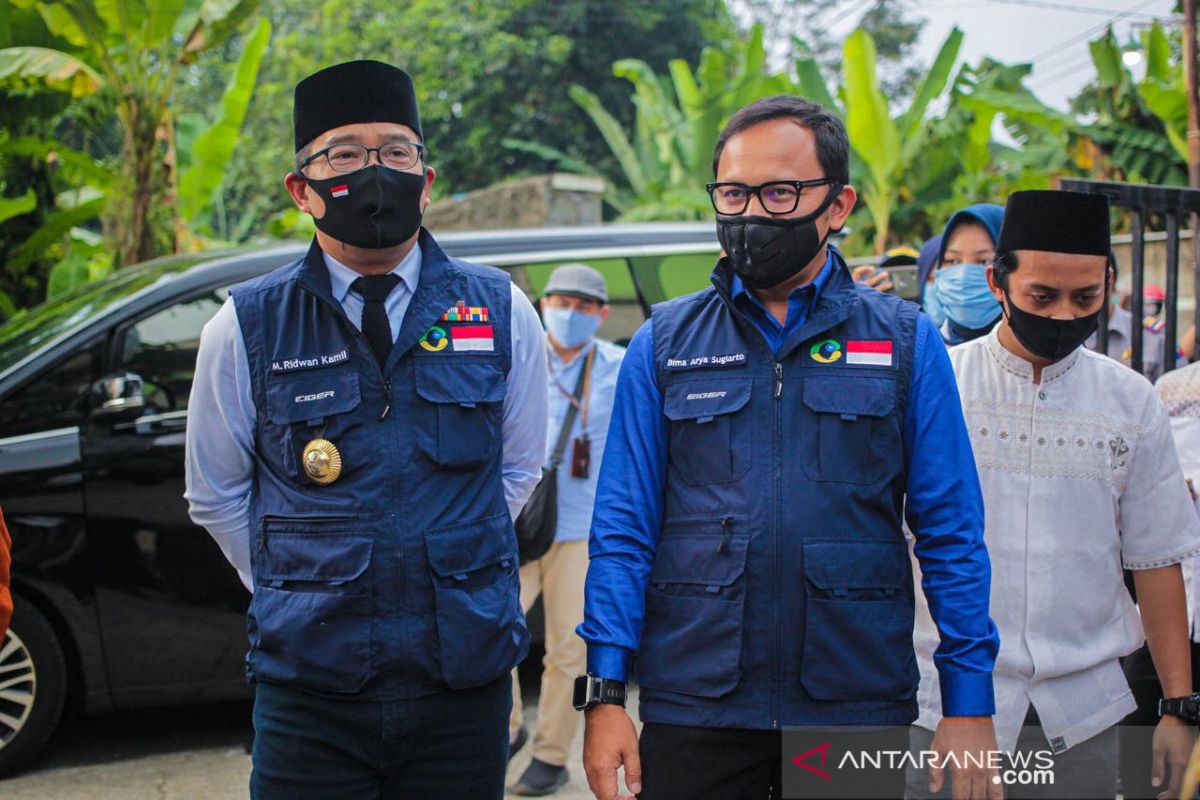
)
(1053, 39)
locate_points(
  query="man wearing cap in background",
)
(583, 376)
(1080, 479)
(364, 425)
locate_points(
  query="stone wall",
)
(558, 199)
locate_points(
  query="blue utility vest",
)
(781, 592)
(399, 579)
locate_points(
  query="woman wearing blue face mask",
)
(958, 298)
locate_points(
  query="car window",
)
(32, 328)
(161, 350)
(55, 398)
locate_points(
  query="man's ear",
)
(430, 177)
(604, 309)
(840, 208)
(306, 201)
(994, 284)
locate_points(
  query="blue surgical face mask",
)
(570, 328)
(932, 306)
(964, 297)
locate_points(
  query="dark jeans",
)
(686, 763)
(449, 745)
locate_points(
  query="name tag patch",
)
(309, 362)
(700, 362)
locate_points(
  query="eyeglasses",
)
(776, 197)
(353, 157)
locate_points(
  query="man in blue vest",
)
(364, 425)
(770, 436)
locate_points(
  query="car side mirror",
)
(121, 397)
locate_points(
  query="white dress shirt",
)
(222, 416)
(1080, 479)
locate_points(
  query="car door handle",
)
(155, 424)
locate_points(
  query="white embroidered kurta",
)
(1180, 393)
(1080, 478)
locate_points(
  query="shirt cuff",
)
(967, 694)
(608, 661)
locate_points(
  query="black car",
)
(120, 601)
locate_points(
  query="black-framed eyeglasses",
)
(351, 157)
(776, 197)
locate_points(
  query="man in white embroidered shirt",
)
(1080, 479)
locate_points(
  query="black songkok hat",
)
(353, 92)
(1056, 222)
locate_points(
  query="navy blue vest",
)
(399, 579)
(781, 592)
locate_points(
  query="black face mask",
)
(1051, 339)
(766, 251)
(374, 208)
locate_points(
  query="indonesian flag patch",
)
(468, 338)
(869, 352)
(340, 191)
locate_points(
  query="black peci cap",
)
(1056, 222)
(353, 92)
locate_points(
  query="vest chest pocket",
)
(692, 638)
(851, 435)
(305, 406)
(858, 621)
(481, 630)
(711, 442)
(459, 427)
(311, 611)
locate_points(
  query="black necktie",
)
(374, 289)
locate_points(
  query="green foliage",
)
(488, 73)
(676, 123)
(212, 149)
(1141, 128)
(132, 51)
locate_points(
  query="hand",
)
(875, 278)
(961, 735)
(610, 741)
(1172, 745)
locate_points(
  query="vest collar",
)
(835, 303)
(439, 286)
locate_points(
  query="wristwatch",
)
(591, 690)
(1187, 708)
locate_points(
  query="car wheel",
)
(33, 677)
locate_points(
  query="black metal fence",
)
(1173, 203)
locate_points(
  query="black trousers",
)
(686, 763)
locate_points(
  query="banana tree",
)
(1141, 126)
(886, 148)
(668, 159)
(134, 51)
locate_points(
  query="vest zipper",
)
(387, 398)
(778, 380)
